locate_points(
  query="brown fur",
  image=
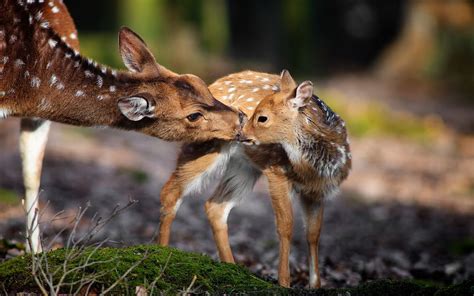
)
(42, 76)
(295, 119)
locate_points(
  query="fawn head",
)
(276, 117)
(168, 105)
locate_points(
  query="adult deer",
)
(302, 150)
(42, 75)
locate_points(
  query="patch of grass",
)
(371, 118)
(9, 197)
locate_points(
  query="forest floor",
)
(405, 212)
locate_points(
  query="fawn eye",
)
(262, 119)
(194, 116)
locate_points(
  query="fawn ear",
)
(287, 82)
(135, 54)
(136, 108)
(304, 92)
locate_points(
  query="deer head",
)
(169, 105)
(276, 118)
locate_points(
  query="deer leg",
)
(237, 182)
(313, 211)
(280, 191)
(33, 138)
(190, 175)
(170, 198)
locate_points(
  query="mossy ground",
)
(173, 271)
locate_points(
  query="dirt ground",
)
(406, 211)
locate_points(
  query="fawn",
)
(301, 147)
(43, 77)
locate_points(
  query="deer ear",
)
(304, 92)
(135, 53)
(287, 82)
(136, 108)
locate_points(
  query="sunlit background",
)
(399, 72)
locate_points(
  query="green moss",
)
(173, 271)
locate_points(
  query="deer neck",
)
(41, 76)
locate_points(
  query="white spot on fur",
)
(266, 86)
(55, 9)
(100, 97)
(227, 82)
(88, 74)
(79, 93)
(19, 63)
(52, 43)
(232, 89)
(250, 100)
(100, 81)
(265, 79)
(275, 88)
(255, 89)
(112, 88)
(44, 25)
(35, 82)
(73, 36)
(53, 79)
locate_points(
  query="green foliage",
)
(370, 118)
(8, 197)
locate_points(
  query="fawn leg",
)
(313, 211)
(33, 138)
(280, 191)
(238, 180)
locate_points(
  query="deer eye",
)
(194, 116)
(262, 119)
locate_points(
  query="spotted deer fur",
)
(301, 148)
(43, 77)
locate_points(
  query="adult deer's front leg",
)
(280, 191)
(33, 138)
(313, 211)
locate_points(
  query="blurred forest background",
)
(400, 72)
